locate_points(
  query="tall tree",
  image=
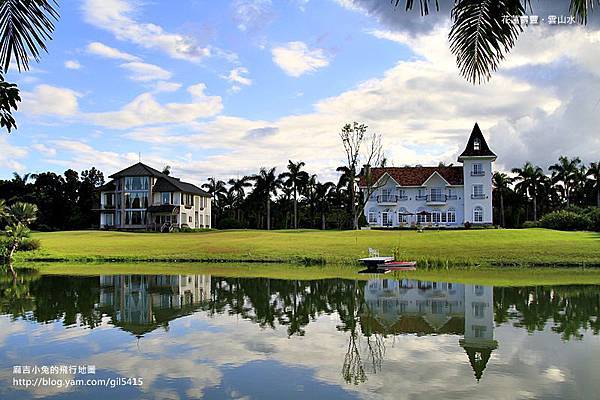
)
(322, 200)
(238, 186)
(501, 183)
(266, 185)
(360, 148)
(566, 173)
(217, 190)
(296, 179)
(529, 179)
(25, 25)
(594, 173)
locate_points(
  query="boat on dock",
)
(374, 262)
(398, 265)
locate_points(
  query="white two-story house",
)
(141, 197)
(444, 196)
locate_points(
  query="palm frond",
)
(9, 96)
(423, 3)
(580, 9)
(481, 35)
(25, 25)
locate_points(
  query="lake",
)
(202, 336)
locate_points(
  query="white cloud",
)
(141, 71)
(72, 64)
(145, 110)
(10, 155)
(50, 100)
(252, 14)
(237, 78)
(116, 16)
(163, 86)
(102, 50)
(295, 58)
(44, 150)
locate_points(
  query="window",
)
(372, 217)
(436, 217)
(190, 218)
(166, 197)
(444, 217)
(477, 169)
(136, 183)
(135, 217)
(478, 191)
(476, 144)
(136, 200)
(402, 217)
(451, 215)
(478, 214)
(109, 200)
(109, 219)
(402, 194)
(478, 310)
(436, 195)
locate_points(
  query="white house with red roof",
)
(443, 196)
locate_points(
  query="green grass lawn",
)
(487, 247)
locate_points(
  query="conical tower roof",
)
(476, 146)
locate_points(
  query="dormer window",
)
(476, 144)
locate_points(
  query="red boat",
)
(399, 265)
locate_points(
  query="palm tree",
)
(529, 179)
(566, 171)
(18, 216)
(296, 179)
(238, 186)
(594, 173)
(3, 210)
(481, 34)
(266, 184)
(322, 199)
(217, 190)
(25, 25)
(501, 183)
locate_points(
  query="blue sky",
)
(224, 87)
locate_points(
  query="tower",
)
(477, 161)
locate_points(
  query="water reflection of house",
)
(424, 308)
(141, 303)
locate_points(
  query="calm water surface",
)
(202, 336)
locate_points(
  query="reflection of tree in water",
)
(570, 309)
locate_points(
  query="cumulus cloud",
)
(102, 50)
(141, 71)
(116, 16)
(11, 154)
(145, 109)
(163, 86)
(295, 58)
(238, 77)
(50, 100)
(72, 64)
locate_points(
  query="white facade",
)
(434, 200)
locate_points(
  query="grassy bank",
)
(527, 247)
(472, 275)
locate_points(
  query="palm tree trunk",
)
(535, 208)
(295, 208)
(268, 214)
(502, 210)
(11, 253)
(598, 196)
(323, 221)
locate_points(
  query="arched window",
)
(372, 216)
(451, 215)
(478, 214)
(476, 144)
(403, 216)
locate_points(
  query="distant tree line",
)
(530, 193)
(63, 201)
(295, 198)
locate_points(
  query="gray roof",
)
(470, 151)
(164, 183)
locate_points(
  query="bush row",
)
(572, 219)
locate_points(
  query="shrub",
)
(468, 225)
(230, 223)
(565, 221)
(530, 224)
(594, 215)
(29, 244)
